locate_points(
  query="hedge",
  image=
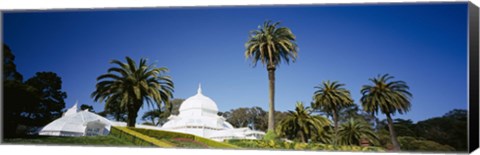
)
(159, 134)
(137, 138)
(271, 144)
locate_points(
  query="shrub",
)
(245, 143)
(413, 144)
(271, 144)
(270, 135)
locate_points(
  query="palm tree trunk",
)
(302, 135)
(132, 115)
(271, 111)
(335, 127)
(131, 118)
(393, 135)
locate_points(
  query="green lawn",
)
(87, 140)
(186, 143)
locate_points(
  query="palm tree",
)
(130, 86)
(389, 97)
(353, 131)
(153, 116)
(331, 97)
(271, 45)
(323, 136)
(158, 117)
(302, 122)
(114, 111)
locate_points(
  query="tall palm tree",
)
(353, 131)
(331, 97)
(130, 87)
(302, 122)
(389, 97)
(271, 45)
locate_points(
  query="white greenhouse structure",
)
(198, 115)
(77, 123)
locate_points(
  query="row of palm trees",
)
(384, 95)
(271, 44)
(316, 128)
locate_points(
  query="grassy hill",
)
(148, 137)
(126, 136)
(54, 140)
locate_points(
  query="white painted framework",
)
(198, 115)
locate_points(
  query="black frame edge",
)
(473, 111)
(2, 125)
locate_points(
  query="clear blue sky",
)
(424, 45)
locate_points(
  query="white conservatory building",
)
(198, 115)
(77, 123)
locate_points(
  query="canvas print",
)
(350, 77)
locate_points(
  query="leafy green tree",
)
(389, 97)
(279, 115)
(458, 114)
(16, 95)
(236, 117)
(48, 86)
(32, 103)
(156, 117)
(254, 117)
(404, 127)
(271, 45)
(413, 144)
(130, 86)
(331, 97)
(301, 122)
(348, 112)
(450, 129)
(175, 106)
(384, 138)
(352, 111)
(353, 131)
(9, 68)
(85, 106)
(17, 98)
(172, 109)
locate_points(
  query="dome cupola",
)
(198, 105)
